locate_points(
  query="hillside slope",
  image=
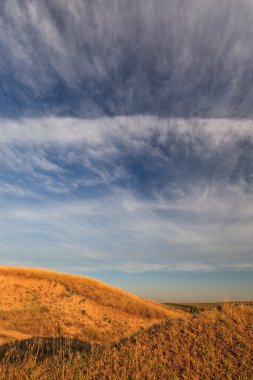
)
(216, 344)
(37, 302)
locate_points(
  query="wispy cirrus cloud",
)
(128, 234)
(144, 193)
(88, 59)
(164, 154)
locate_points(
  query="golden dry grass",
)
(37, 302)
(216, 344)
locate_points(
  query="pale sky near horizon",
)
(126, 143)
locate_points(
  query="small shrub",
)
(91, 333)
(194, 310)
(44, 309)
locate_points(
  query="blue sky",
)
(126, 143)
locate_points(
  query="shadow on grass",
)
(42, 347)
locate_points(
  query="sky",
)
(126, 143)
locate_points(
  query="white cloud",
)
(44, 148)
(134, 130)
(19, 191)
(119, 57)
(139, 236)
(186, 223)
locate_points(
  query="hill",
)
(215, 344)
(40, 303)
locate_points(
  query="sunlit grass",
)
(41, 303)
(216, 344)
(94, 290)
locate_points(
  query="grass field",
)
(157, 342)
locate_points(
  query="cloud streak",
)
(128, 151)
(88, 59)
(112, 233)
(128, 193)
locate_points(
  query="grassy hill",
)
(56, 326)
(215, 344)
(42, 303)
